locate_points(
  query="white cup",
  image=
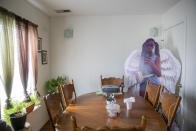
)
(129, 105)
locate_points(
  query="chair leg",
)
(143, 123)
(74, 124)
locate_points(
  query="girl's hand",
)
(149, 61)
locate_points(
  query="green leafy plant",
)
(109, 97)
(35, 99)
(51, 85)
(19, 107)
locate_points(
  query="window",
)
(17, 88)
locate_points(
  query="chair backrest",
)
(131, 128)
(112, 81)
(67, 92)
(53, 104)
(152, 93)
(169, 104)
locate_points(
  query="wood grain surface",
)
(90, 111)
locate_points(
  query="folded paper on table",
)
(129, 102)
(131, 99)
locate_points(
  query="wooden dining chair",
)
(54, 107)
(152, 93)
(168, 103)
(131, 128)
(67, 92)
(112, 81)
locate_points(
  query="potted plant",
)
(18, 120)
(110, 99)
(16, 115)
(34, 102)
(52, 85)
(30, 108)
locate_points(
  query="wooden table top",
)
(90, 110)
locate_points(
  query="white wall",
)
(24, 9)
(186, 10)
(100, 45)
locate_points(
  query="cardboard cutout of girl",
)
(149, 64)
(161, 68)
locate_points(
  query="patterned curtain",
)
(7, 52)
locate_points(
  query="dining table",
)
(90, 110)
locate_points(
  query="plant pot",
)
(30, 108)
(18, 122)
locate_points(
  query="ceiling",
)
(104, 7)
